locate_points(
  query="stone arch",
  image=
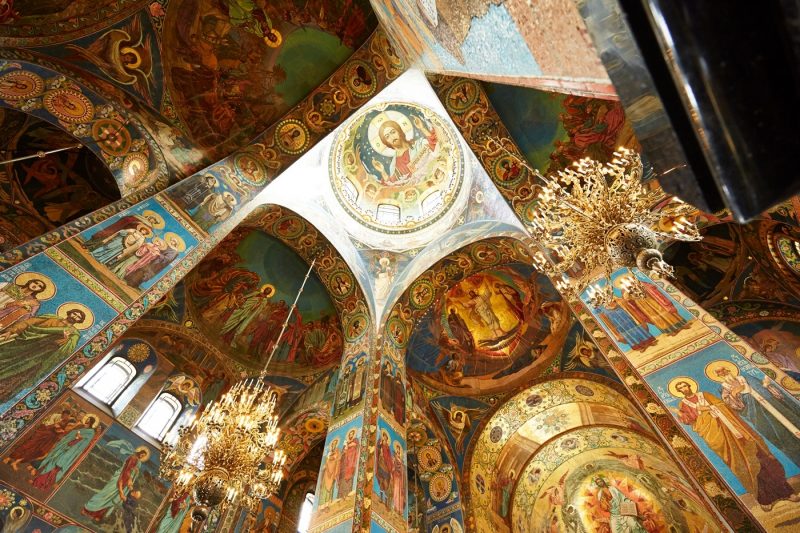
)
(594, 475)
(509, 436)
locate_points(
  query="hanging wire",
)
(288, 317)
(41, 154)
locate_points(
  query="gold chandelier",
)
(594, 219)
(229, 455)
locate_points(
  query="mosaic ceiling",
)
(397, 167)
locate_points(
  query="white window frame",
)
(115, 362)
(167, 425)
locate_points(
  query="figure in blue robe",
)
(624, 328)
(120, 485)
(746, 396)
(64, 454)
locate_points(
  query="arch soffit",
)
(131, 154)
(484, 423)
(308, 242)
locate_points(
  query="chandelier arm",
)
(288, 317)
(541, 176)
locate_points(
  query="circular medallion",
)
(485, 253)
(288, 227)
(252, 171)
(356, 327)
(396, 168)
(461, 96)
(429, 458)
(533, 400)
(439, 487)
(291, 136)
(135, 167)
(314, 425)
(398, 332)
(508, 171)
(68, 105)
(341, 283)
(521, 251)
(112, 136)
(570, 443)
(383, 44)
(496, 434)
(421, 294)
(20, 85)
(360, 79)
(584, 390)
(138, 352)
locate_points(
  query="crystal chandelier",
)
(593, 219)
(229, 455)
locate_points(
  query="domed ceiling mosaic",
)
(241, 294)
(397, 167)
(489, 332)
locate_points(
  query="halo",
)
(334, 443)
(63, 309)
(277, 42)
(269, 286)
(146, 451)
(711, 369)
(129, 50)
(314, 425)
(49, 290)
(373, 132)
(159, 220)
(92, 416)
(675, 381)
(226, 195)
(179, 244)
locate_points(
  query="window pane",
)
(431, 203)
(305, 513)
(388, 214)
(160, 416)
(110, 380)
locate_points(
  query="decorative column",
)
(362, 484)
(79, 295)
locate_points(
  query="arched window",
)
(160, 416)
(388, 214)
(305, 513)
(108, 383)
(431, 202)
(350, 190)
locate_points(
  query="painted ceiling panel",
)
(543, 45)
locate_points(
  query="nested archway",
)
(511, 465)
